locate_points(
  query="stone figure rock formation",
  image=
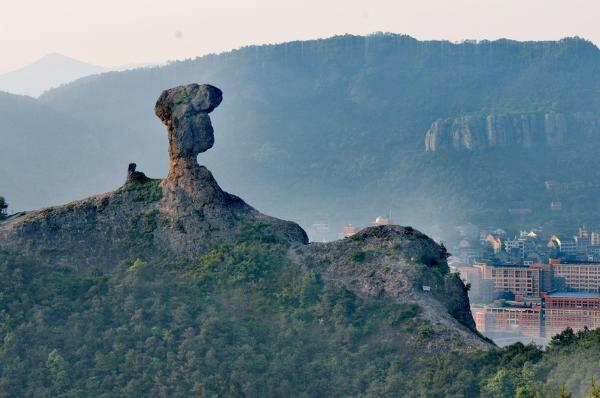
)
(184, 110)
(190, 190)
(182, 216)
(135, 176)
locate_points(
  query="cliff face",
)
(522, 130)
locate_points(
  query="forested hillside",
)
(334, 129)
(175, 288)
(245, 321)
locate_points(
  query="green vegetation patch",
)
(181, 97)
(246, 321)
(242, 321)
(361, 256)
(145, 192)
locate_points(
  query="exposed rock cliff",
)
(522, 129)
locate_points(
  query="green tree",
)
(3, 208)
(501, 385)
(58, 370)
(594, 390)
(563, 393)
(563, 339)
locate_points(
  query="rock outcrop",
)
(134, 176)
(184, 110)
(193, 201)
(179, 219)
(182, 216)
(400, 264)
(527, 130)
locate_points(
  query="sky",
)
(120, 32)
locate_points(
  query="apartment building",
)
(570, 309)
(580, 277)
(523, 281)
(525, 321)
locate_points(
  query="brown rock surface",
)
(184, 110)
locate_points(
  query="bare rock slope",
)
(402, 265)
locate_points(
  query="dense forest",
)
(244, 320)
(329, 130)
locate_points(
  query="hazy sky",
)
(117, 32)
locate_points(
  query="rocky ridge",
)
(402, 265)
(183, 215)
(472, 132)
(187, 214)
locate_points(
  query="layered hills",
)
(175, 287)
(355, 111)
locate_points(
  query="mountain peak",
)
(57, 57)
(52, 70)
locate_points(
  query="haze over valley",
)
(279, 208)
(342, 109)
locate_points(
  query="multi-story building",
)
(594, 253)
(494, 244)
(546, 276)
(568, 247)
(516, 248)
(521, 280)
(525, 321)
(481, 291)
(558, 311)
(580, 277)
(594, 238)
(549, 297)
(570, 309)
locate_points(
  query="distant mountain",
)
(125, 67)
(52, 71)
(333, 131)
(46, 73)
